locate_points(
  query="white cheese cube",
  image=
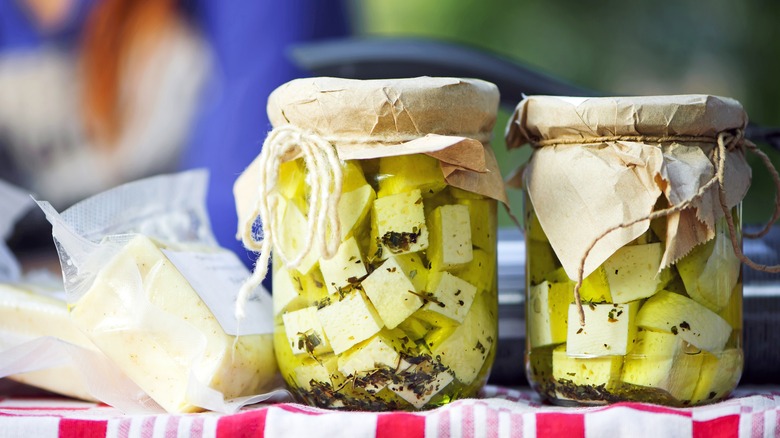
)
(285, 290)
(406, 172)
(400, 223)
(548, 313)
(369, 355)
(632, 272)
(468, 347)
(663, 360)
(292, 235)
(349, 321)
(481, 271)
(393, 288)
(304, 332)
(482, 217)
(673, 313)
(450, 237)
(592, 371)
(311, 371)
(421, 397)
(719, 375)
(345, 265)
(450, 296)
(610, 330)
(353, 208)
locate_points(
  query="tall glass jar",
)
(404, 315)
(661, 300)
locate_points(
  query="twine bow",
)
(324, 177)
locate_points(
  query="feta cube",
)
(547, 313)
(592, 371)
(368, 356)
(661, 360)
(610, 330)
(393, 288)
(407, 172)
(481, 271)
(292, 235)
(719, 375)
(353, 208)
(450, 237)
(346, 265)
(450, 295)
(399, 221)
(304, 332)
(420, 398)
(482, 214)
(285, 290)
(632, 272)
(349, 321)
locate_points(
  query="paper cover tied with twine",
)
(326, 121)
(602, 162)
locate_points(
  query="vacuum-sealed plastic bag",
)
(150, 287)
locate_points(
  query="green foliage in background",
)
(616, 47)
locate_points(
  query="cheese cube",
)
(394, 288)
(178, 336)
(661, 360)
(482, 214)
(420, 397)
(353, 176)
(353, 209)
(349, 321)
(292, 235)
(369, 356)
(672, 313)
(593, 371)
(408, 172)
(481, 271)
(467, 349)
(547, 313)
(533, 229)
(540, 260)
(632, 272)
(450, 237)
(414, 328)
(719, 375)
(399, 221)
(594, 288)
(345, 268)
(285, 290)
(610, 330)
(711, 270)
(311, 371)
(450, 296)
(292, 180)
(304, 332)
(464, 194)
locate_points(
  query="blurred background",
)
(97, 92)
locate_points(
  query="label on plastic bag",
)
(217, 277)
(9, 267)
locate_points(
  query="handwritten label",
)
(217, 277)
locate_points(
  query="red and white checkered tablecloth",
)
(499, 413)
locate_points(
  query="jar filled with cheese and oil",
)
(379, 200)
(634, 288)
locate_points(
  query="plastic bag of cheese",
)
(39, 344)
(150, 287)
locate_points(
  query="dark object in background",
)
(377, 58)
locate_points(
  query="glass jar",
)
(404, 315)
(661, 307)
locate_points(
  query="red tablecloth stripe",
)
(563, 425)
(69, 428)
(723, 427)
(249, 424)
(400, 425)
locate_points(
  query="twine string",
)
(325, 180)
(726, 142)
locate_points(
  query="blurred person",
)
(94, 93)
(97, 92)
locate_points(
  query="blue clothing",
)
(249, 40)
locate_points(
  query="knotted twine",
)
(323, 176)
(726, 142)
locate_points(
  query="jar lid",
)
(390, 111)
(550, 117)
